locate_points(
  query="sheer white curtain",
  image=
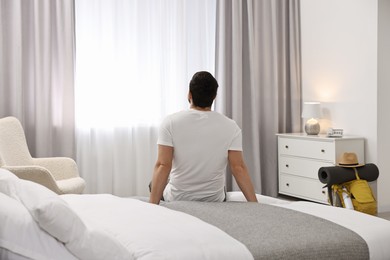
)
(37, 72)
(134, 60)
(258, 65)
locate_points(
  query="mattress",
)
(36, 223)
(294, 224)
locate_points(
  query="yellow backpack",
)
(359, 192)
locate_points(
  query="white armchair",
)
(60, 174)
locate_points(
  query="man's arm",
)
(240, 173)
(161, 172)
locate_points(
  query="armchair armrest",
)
(36, 174)
(60, 167)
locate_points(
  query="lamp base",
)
(312, 129)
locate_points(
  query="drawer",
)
(301, 187)
(320, 150)
(301, 167)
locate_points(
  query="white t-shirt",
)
(201, 141)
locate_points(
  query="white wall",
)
(339, 69)
(384, 104)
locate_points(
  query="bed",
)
(38, 224)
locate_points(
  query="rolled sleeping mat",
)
(335, 174)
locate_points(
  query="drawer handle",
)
(286, 146)
(288, 184)
(287, 165)
(323, 192)
(322, 150)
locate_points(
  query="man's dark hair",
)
(203, 88)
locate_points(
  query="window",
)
(134, 59)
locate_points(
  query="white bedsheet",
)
(137, 226)
(375, 231)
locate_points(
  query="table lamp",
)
(312, 112)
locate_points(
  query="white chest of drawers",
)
(300, 156)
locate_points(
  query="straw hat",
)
(349, 160)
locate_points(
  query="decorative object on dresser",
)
(312, 112)
(300, 157)
(333, 132)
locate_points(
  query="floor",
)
(385, 215)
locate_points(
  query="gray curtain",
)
(37, 72)
(257, 65)
(258, 68)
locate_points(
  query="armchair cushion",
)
(42, 176)
(73, 185)
(60, 167)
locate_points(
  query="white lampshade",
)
(311, 110)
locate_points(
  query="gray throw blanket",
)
(271, 232)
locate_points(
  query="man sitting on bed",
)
(194, 148)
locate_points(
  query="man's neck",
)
(200, 108)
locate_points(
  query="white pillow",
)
(4, 184)
(6, 174)
(55, 216)
(21, 235)
(51, 212)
